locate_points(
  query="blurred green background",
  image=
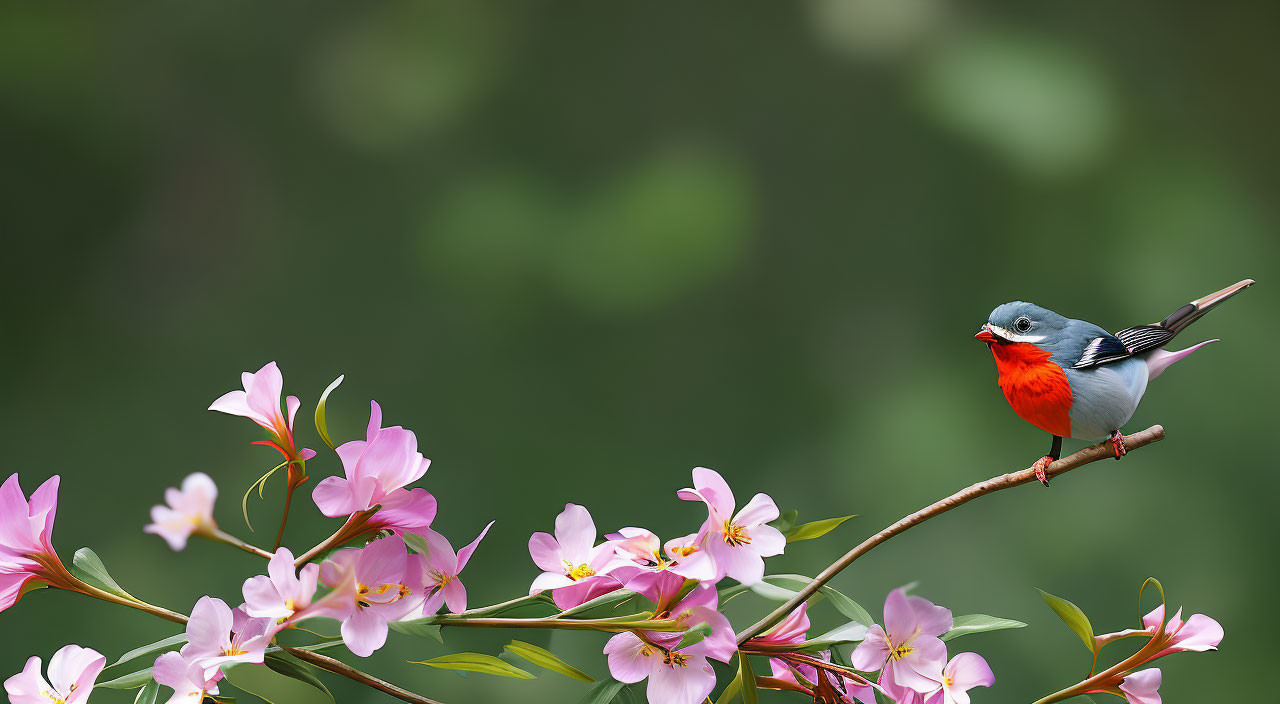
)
(582, 247)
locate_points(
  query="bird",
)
(1073, 379)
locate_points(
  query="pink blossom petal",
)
(630, 659)
(455, 596)
(930, 619)
(899, 618)
(712, 488)
(1142, 687)
(690, 683)
(407, 510)
(767, 541)
(261, 598)
(73, 670)
(740, 563)
(760, 509)
(364, 632)
(584, 590)
(431, 606)
(872, 652)
(333, 497)
(964, 672)
(550, 580)
(545, 552)
(920, 669)
(291, 404)
(1200, 633)
(576, 533)
(792, 629)
(375, 421)
(209, 626)
(464, 554)
(440, 554)
(44, 506)
(28, 686)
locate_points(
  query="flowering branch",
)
(338, 667)
(1005, 481)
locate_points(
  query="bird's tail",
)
(1188, 314)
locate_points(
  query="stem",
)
(338, 667)
(1005, 481)
(284, 517)
(502, 606)
(152, 609)
(356, 525)
(608, 625)
(1097, 681)
(223, 537)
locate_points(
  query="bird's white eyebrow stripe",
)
(1013, 336)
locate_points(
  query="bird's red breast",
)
(1037, 388)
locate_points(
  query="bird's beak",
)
(986, 335)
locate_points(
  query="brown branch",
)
(324, 662)
(1005, 481)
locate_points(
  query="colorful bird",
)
(1072, 379)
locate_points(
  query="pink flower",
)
(674, 677)
(964, 672)
(186, 678)
(683, 556)
(216, 636)
(72, 672)
(190, 510)
(1142, 687)
(281, 592)
(574, 568)
(377, 470)
(1197, 634)
(371, 587)
(440, 568)
(792, 630)
(736, 543)
(260, 403)
(26, 540)
(907, 647)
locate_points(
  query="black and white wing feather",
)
(1144, 338)
(1102, 350)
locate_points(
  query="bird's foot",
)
(1117, 444)
(1040, 466)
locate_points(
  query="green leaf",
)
(979, 623)
(613, 599)
(750, 695)
(148, 694)
(786, 522)
(424, 627)
(416, 542)
(314, 647)
(289, 666)
(732, 689)
(603, 692)
(547, 660)
(1159, 587)
(150, 648)
(475, 662)
(1072, 616)
(88, 567)
(849, 608)
(851, 632)
(694, 635)
(269, 685)
(133, 680)
(772, 591)
(816, 529)
(322, 425)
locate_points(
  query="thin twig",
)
(338, 667)
(223, 537)
(1005, 481)
(608, 625)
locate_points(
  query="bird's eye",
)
(1022, 324)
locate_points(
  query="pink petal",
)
(1199, 634)
(585, 590)
(767, 541)
(872, 652)
(384, 561)
(407, 510)
(375, 421)
(15, 526)
(455, 596)
(364, 632)
(740, 563)
(440, 555)
(28, 686)
(464, 555)
(721, 644)
(930, 619)
(261, 598)
(1155, 619)
(44, 506)
(969, 670)
(431, 606)
(690, 683)
(208, 630)
(792, 629)
(630, 659)
(715, 491)
(545, 552)
(71, 666)
(263, 395)
(760, 509)
(333, 497)
(291, 404)
(921, 669)
(899, 618)
(576, 533)
(1142, 687)
(170, 525)
(235, 403)
(550, 580)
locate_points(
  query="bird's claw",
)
(1117, 444)
(1040, 466)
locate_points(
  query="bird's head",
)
(1019, 321)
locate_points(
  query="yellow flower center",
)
(735, 535)
(685, 551)
(675, 660)
(581, 572)
(948, 681)
(288, 604)
(646, 651)
(232, 651)
(366, 596)
(54, 699)
(900, 652)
